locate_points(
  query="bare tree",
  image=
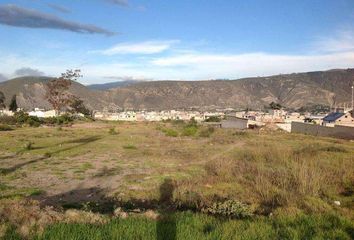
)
(58, 94)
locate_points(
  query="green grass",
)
(130, 146)
(270, 172)
(7, 192)
(188, 225)
(170, 132)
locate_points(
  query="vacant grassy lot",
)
(101, 166)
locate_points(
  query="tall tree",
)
(58, 94)
(2, 100)
(78, 106)
(13, 104)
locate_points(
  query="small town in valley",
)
(338, 122)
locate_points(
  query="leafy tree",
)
(13, 104)
(274, 105)
(78, 106)
(57, 90)
(2, 100)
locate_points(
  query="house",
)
(5, 112)
(339, 118)
(294, 117)
(41, 113)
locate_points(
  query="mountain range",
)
(110, 85)
(295, 90)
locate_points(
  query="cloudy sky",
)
(161, 40)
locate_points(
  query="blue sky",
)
(112, 40)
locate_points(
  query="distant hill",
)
(291, 90)
(106, 86)
(31, 92)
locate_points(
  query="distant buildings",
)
(155, 116)
(339, 118)
(230, 118)
(5, 112)
(42, 113)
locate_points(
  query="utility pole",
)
(352, 97)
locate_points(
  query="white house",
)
(41, 113)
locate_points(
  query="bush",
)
(60, 120)
(334, 149)
(170, 132)
(229, 208)
(21, 117)
(50, 120)
(130, 146)
(28, 146)
(4, 127)
(112, 131)
(189, 130)
(33, 121)
(64, 119)
(213, 119)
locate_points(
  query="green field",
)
(173, 178)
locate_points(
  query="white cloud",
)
(192, 66)
(147, 47)
(342, 41)
(253, 64)
(187, 63)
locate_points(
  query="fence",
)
(317, 130)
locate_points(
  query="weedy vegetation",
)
(223, 184)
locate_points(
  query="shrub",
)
(28, 146)
(129, 146)
(112, 131)
(5, 127)
(170, 132)
(229, 208)
(213, 119)
(21, 117)
(33, 121)
(334, 149)
(50, 120)
(189, 130)
(60, 120)
(64, 119)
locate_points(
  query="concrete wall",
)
(237, 123)
(284, 126)
(317, 130)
